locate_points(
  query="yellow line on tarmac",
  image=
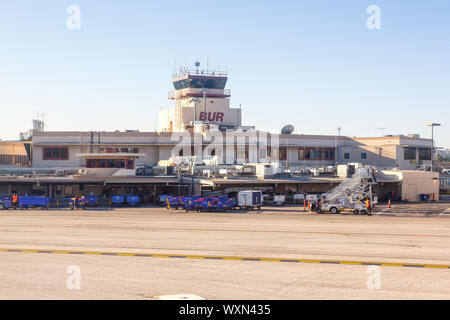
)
(179, 256)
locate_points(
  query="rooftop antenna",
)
(382, 131)
(339, 128)
(197, 64)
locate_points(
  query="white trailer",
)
(279, 200)
(250, 199)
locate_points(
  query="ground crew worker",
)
(72, 203)
(76, 202)
(368, 207)
(83, 202)
(15, 201)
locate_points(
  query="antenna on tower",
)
(197, 64)
(382, 131)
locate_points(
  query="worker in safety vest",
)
(368, 207)
(15, 201)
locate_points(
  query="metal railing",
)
(186, 72)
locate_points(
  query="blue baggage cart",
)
(42, 202)
(133, 200)
(117, 200)
(184, 201)
(174, 202)
(5, 203)
(192, 203)
(225, 203)
(91, 201)
(161, 199)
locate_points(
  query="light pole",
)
(432, 125)
(335, 147)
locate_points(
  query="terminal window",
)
(119, 150)
(55, 153)
(347, 156)
(424, 154)
(110, 163)
(316, 153)
(283, 154)
(363, 155)
(409, 154)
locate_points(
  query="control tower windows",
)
(200, 82)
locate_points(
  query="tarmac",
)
(401, 252)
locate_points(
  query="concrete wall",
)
(73, 161)
(414, 183)
(183, 111)
(381, 152)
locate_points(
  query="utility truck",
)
(350, 194)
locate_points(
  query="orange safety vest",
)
(367, 203)
(15, 198)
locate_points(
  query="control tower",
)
(200, 98)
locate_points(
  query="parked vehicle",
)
(91, 201)
(359, 208)
(174, 202)
(211, 204)
(117, 200)
(161, 199)
(26, 202)
(330, 207)
(191, 203)
(250, 199)
(279, 200)
(133, 200)
(5, 203)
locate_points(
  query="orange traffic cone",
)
(389, 203)
(309, 205)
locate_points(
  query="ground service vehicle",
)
(91, 201)
(250, 199)
(26, 202)
(133, 200)
(5, 203)
(350, 193)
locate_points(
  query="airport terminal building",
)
(202, 109)
(202, 123)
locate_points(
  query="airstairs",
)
(353, 189)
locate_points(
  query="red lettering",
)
(211, 116)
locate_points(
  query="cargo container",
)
(250, 199)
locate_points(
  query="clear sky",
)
(313, 64)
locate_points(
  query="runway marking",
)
(251, 259)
